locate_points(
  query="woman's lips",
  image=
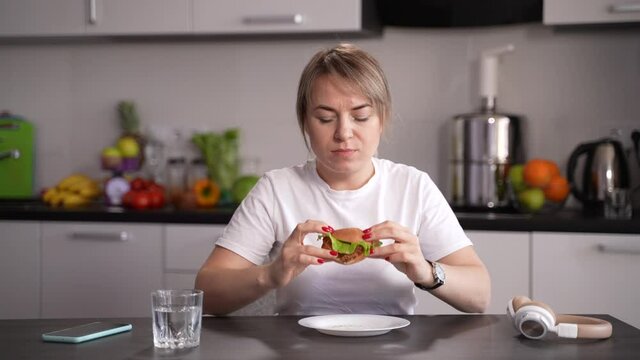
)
(344, 152)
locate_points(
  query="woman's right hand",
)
(295, 256)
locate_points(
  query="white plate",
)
(354, 324)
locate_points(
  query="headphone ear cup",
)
(534, 319)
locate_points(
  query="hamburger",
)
(349, 245)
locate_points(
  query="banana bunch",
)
(73, 191)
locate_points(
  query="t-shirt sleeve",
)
(250, 233)
(440, 232)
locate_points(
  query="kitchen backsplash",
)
(572, 85)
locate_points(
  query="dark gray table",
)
(428, 337)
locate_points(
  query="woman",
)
(343, 107)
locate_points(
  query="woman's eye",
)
(363, 118)
(325, 119)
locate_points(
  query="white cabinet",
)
(277, 16)
(139, 17)
(38, 17)
(20, 269)
(582, 273)
(187, 247)
(507, 257)
(178, 17)
(567, 12)
(94, 17)
(99, 269)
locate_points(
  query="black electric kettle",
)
(605, 167)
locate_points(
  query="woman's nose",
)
(344, 129)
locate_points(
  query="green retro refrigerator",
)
(16, 157)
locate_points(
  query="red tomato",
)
(156, 199)
(140, 200)
(138, 184)
(127, 199)
(153, 186)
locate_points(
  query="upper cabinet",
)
(279, 16)
(37, 18)
(93, 17)
(138, 17)
(573, 12)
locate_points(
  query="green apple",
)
(242, 186)
(128, 146)
(531, 199)
(516, 178)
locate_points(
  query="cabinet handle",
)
(295, 19)
(102, 236)
(613, 249)
(624, 8)
(10, 154)
(93, 12)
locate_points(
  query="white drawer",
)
(99, 269)
(276, 16)
(565, 12)
(188, 246)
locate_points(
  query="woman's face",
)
(344, 131)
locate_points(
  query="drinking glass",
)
(177, 318)
(617, 204)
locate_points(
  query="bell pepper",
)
(207, 193)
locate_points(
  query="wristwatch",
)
(438, 275)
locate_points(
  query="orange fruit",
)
(538, 172)
(555, 170)
(557, 190)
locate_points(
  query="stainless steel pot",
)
(484, 146)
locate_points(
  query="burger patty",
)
(356, 256)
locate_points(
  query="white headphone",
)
(536, 320)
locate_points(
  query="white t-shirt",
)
(286, 197)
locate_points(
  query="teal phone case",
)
(85, 332)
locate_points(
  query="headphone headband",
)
(535, 319)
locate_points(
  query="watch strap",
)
(438, 281)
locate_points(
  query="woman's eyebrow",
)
(324, 107)
(329, 108)
(361, 106)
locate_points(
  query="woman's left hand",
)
(405, 253)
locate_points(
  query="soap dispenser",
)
(484, 144)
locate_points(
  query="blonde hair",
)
(353, 65)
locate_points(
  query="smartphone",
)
(86, 332)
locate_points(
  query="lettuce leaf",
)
(344, 247)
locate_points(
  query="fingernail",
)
(326, 229)
(320, 261)
(331, 230)
(366, 230)
(370, 251)
(333, 253)
(387, 258)
(366, 236)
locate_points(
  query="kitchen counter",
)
(567, 220)
(280, 337)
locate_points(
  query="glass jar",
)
(197, 170)
(176, 179)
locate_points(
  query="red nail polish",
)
(326, 229)
(366, 231)
(331, 230)
(366, 236)
(370, 251)
(320, 261)
(333, 253)
(387, 258)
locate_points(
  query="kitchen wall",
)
(573, 85)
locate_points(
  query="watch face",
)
(439, 272)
